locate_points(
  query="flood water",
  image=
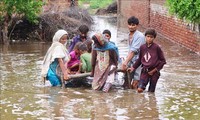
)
(24, 96)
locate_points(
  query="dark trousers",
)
(152, 80)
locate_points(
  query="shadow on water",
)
(23, 95)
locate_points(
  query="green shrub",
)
(185, 9)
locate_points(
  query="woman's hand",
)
(66, 76)
(131, 69)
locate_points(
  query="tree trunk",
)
(1, 35)
(5, 35)
(5, 29)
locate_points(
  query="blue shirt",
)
(74, 41)
(138, 39)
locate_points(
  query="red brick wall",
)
(138, 8)
(158, 18)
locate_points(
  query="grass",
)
(95, 4)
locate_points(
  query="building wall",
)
(153, 13)
(138, 8)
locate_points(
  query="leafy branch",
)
(185, 9)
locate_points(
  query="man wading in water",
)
(135, 40)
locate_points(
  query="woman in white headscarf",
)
(53, 68)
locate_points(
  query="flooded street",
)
(24, 97)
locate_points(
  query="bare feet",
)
(140, 90)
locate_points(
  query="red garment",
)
(150, 57)
(73, 60)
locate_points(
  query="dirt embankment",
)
(49, 23)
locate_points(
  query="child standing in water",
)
(152, 59)
(74, 61)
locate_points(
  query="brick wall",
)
(127, 8)
(153, 13)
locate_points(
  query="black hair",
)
(83, 29)
(107, 32)
(151, 31)
(83, 47)
(133, 20)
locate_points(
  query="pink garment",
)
(74, 59)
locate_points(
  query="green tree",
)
(10, 9)
(185, 9)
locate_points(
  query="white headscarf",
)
(57, 50)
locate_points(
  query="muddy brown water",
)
(24, 97)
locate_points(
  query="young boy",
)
(83, 30)
(152, 59)
(107, 35)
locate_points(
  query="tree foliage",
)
(12, 9)
(20, 8)
(185, 9)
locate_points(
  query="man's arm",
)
(128, 58)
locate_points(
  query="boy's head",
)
(133, 22)
(83, 29)
(151, 32)
(83, 48)
(150, 35)
(107, 34)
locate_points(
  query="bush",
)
(185, 9)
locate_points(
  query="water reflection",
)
(23, 95)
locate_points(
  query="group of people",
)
(100, 56)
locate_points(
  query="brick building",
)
(153, 13)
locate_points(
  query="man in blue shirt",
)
(136, 39)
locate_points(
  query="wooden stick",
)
(79, 75)
(129, 79)
(86, 74)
